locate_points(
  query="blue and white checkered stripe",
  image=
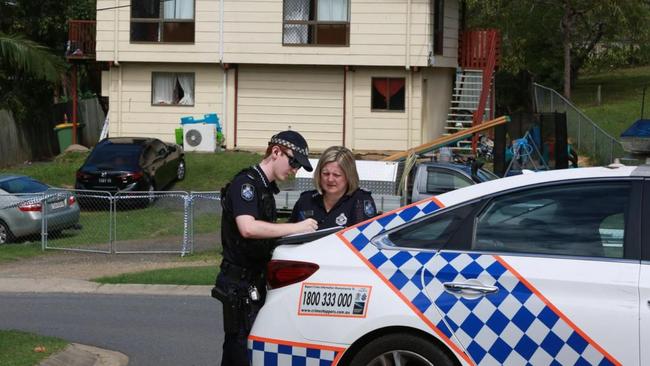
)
(513, 326)
(274, 353)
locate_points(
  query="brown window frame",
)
(388, 107)
(161, 22)
(313, 26)
(154, 104)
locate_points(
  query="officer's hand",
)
(307, 225)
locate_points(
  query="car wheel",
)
(5, 234)
(180, 171)
(400, 349)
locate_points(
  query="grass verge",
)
(203, 274)
(26, 349)
(198, 275)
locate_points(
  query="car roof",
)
(7, 177)
(128, 140)
(504, 184)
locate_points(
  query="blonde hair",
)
(343, 156)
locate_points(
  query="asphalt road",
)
(150, 330)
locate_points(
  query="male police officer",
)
(247, 230)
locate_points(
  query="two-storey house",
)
(371, 75)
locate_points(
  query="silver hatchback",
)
(22, 203)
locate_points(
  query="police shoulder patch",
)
(368, 208)
(247, 192)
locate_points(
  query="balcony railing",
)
(81, 39)
(474, 48)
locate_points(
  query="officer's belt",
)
(236, 272)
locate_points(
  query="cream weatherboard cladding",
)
(131, 112)
(279, 87)
(302, 98)
(112, 33)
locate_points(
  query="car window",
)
(439, 181)
(115, 156)
(586, 219)
(433, 232)
(23, 185)
(486, 175)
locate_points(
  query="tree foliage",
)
(553, 39)
(32, 44)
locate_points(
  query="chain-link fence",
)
(95, 221)
(151, 222)
(585, 135)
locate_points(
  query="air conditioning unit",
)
(199, 137)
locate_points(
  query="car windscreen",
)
(115, 156)
(486, 175)
(23, 185)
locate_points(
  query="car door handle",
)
(458, 287)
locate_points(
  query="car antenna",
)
(643, 100)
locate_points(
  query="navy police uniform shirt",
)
(249, 193)
(349, 210)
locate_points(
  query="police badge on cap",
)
(247, 192)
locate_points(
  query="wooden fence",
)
(36, 140)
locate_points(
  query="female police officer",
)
(247, 230)
(337, 200)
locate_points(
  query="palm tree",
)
(19, 55)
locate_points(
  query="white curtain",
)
(163, 88)
(187, 83)
(296, 10)
(333, 10)
(179, 9)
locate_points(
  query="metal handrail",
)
(596, 148)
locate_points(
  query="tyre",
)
(5, 234)
(180, 171)
(400, 349)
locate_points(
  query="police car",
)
(549, 268)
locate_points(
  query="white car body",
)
(548, 309)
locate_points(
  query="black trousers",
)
(239, 313)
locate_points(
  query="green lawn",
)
(19, 348)
(205, 172)
(621, 92)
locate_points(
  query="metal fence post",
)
(187, 222)
(43, 202)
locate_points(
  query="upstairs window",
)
(162, 21)
(387, 94)
(169, 88)
(316, 22)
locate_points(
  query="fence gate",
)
(92, 230)
(206, 221)
(151, 222)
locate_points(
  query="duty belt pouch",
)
(231, 306)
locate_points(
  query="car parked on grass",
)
(22, 201)
(126, 164)
(540, 269)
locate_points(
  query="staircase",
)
(464, 103)
(472, 99)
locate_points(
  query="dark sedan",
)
(131, 164)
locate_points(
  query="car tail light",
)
(30, 207)
(280, 273)
(82, 176)
(71, 200)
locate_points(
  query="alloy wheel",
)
(180, 172)
(399, 358)
(4, 234)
